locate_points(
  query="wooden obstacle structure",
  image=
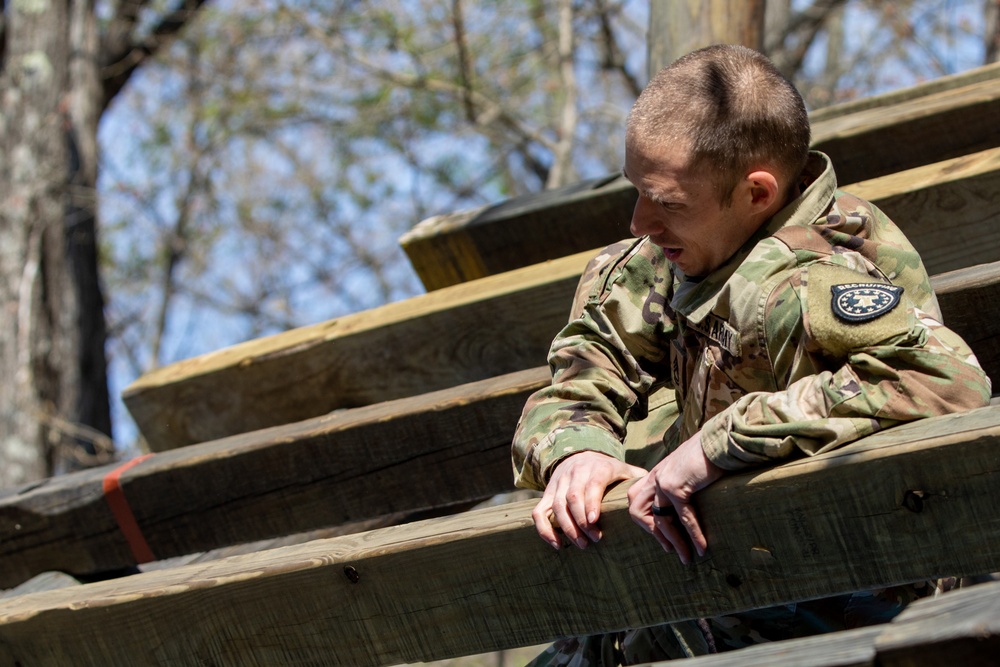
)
(410, 408)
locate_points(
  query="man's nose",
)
(642, 220)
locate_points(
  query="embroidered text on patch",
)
(861, 302)
(720, 331)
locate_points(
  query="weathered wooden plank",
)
(850, 648)
(459, 247)
(949, 211)
(925, 124)
(930, 128)
(908, 94)
(470, 332)
(960, 628)
(405, 455)
(969, 299)
(430, 451)
(483, 580)
(461, 334)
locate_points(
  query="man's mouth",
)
(672, 253)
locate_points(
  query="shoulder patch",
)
(861, 302)
(847, 310)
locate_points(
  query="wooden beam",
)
(433, 341)
(427, 452)
(949, 211)
(968, 299)
(930, 128)
(456, 248)
(405, 455)
(893, 98)
(957, 628)
(914, 502)
(929, 123)
(848, 648)
(960, 628)
(451, 336)
(956, 194)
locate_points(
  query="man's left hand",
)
(669, 487)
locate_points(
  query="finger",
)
(560, 509)
(640, 498)
(689, 520)
(542, 516)
(593, 495)
(663, 541)
(576, 505)
(667, 527)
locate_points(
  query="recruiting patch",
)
(861, 302)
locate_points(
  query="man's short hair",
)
(733, 107)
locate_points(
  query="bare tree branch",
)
(464, 69)
(3, 33)
(803, 27)
(614, 59)
(487, 111)
(992, 32)
(562, 163)
(124, 57)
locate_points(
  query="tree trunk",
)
(992, 32)
(677, 27)
(46, 227)
(91, 407)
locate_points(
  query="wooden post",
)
(677, 27)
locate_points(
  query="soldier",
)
(789, 318)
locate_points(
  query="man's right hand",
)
(573, 496)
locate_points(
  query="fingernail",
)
(554, 544)
(592, 517)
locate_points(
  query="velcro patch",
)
(861, 302)
(848, 310)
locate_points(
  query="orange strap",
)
(115, 496)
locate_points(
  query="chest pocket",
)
(704, 378)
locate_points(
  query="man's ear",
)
(763, 190)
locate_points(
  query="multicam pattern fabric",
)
(762, 365)
(759, 362)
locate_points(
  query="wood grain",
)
(960, 628)
(850, 648)
(930, 128)
(484, 581)
(432, 451)
(459, 247)
(476, 330)
(428, 451)
(470, 332)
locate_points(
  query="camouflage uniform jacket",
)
(820, 330)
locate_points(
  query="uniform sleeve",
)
(845, 380)
(603, 364)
